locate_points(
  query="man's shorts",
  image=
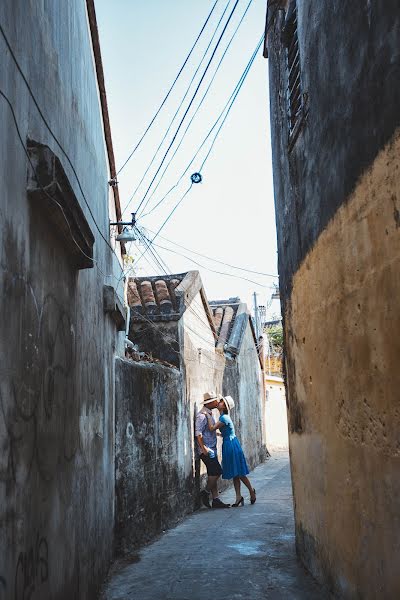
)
(212, 464)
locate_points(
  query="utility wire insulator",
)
(196, 178)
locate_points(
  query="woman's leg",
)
(247, 483)
(236, 483)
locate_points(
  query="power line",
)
(199, 105)
(178, 109)
(238, 87)
(55, 138)
(190, 104)
(191, 309)
(232, 102)
(227, 107)
(169, 91)
(242, 79)
(216, 260)
(44, 191)
(167, 219)
(208, 268)
(159, 261)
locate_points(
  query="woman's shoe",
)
(253, 500)
(239, 502)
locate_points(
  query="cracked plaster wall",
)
(337, 196)
(57, 346)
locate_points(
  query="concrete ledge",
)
(53, 195)
(114, 307)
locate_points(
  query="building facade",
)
(60, 313)
(243, 375)
(159, 392)
(183, 346)
(334, 71)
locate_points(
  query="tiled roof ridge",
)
(225, 301)
(167, 277)
(224, 314)
(162, 297)
(172, 295)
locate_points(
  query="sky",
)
(229, 216)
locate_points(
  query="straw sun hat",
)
(229, 402)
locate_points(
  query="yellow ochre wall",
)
(343, 379)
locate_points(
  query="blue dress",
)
(233, 460)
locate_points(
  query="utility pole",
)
(256, 316)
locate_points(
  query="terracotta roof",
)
(231, 318)
(224, 312)
(154, 296)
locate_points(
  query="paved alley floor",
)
(242, 553)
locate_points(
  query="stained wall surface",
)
(337, 194)
(154, 479)
(243, 380)
(57, 346)
(202, 371)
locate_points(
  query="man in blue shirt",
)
(206, 450)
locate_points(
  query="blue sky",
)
(230, 215)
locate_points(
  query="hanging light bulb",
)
(128, 233)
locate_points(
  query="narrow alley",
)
(199, 276)
(237, 553)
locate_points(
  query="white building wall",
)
(275, 414)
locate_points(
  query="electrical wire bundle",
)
(205, 148)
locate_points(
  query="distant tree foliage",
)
(275, 336)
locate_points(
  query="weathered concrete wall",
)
(160, 339)
(243, 381)
(154, 467)
(337, 201)
(158, 478)
(157, 475)
(203, 368)
(56, 345)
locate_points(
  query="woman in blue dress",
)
(234, 464)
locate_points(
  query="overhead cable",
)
(169, 91)
(242, 79)
(190, 104)
(166, 220)
(208, 268)
(55, 138)
(159, 261)
(199, 105)
(216, 260)
(227, 107)
(231, 104)
(177, 110)
(52, 199)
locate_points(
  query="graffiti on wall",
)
(47, 374)
(37, 388)
(32, 569)
(31, 572)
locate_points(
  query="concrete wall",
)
(337, 204)
(160, 339)
(243, 381)
(203, 368)
(154, 470)
(158, 477)
(57, 346)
